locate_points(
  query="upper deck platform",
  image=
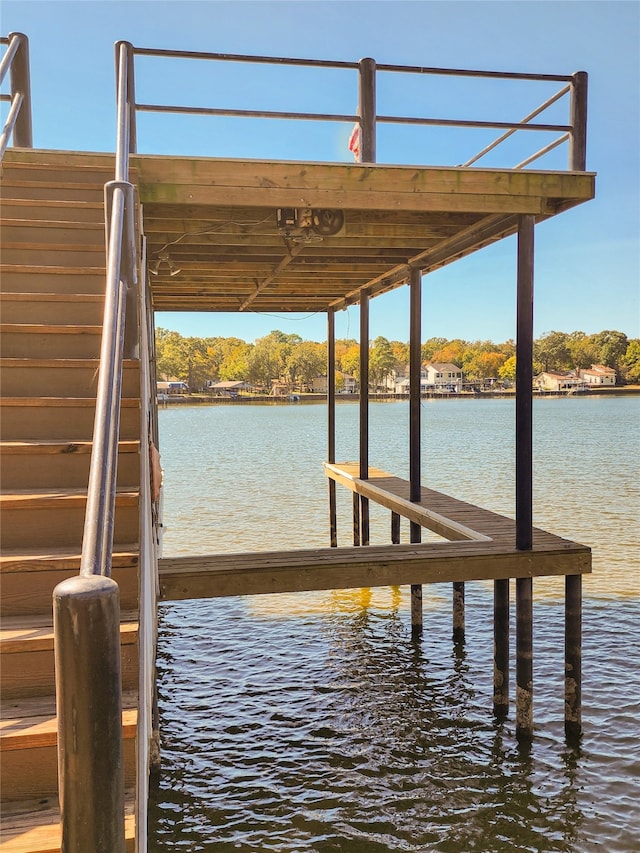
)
(216, 221)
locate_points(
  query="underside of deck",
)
(216, 221)
(214, 242)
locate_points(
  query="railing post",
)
(86, 618)
(578, 143)
(20, 83)
(367, 109)
(125, 90)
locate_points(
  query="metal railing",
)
(367, 119)
(18, 120)
(87, 607)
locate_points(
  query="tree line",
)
(289, 358)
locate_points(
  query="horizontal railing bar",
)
(239, 57)
(158, 108)
(462, 72)
(543, 151)
(6, 98)
(328, 63)
(7, 59)
(441, 122)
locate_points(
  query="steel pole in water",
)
(415, 470)
(524, 658)
(331, 422)
(573, 658)
(501, 647)
(364, 412)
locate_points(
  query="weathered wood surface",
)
(482, 548)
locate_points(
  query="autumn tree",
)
(552, 351)
(630, 362)
(306, 360)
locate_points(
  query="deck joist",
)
(482, 547)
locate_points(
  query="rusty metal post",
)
(331, 422)
(524, 386)
(415, 469)
(524, 658)
(21, 83)
(367, 109)
(356, 519)
(86, 618)
(578, 141)
(573, 658)
(364, 412)
(501, 648)
(458, 612)
(395, 528)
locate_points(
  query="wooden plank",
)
(34, 826)
(306, 177)
(338, 568)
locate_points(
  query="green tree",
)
(611, 347)
(631, 362)
(552, 351)
(306, 361)
(381, 361)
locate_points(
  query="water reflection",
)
(337, 732)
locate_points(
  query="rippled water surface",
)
(316, 723)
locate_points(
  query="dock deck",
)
(482, 547)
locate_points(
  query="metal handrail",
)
(18, 121)
(574, 131)
(87, 607)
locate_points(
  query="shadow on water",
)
(335, 731)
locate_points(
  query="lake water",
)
(316, 723)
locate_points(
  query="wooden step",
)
(58, 173)
(37, 340)
(29, 744)
(26, 656)
(29, 576)
(51, 464)
(14, 188)
(17, 278)
(42, 254)
(55, 210)
(25, 232)
(66, 418)
(35, 377)
(53, 518)
(58, 308)
(33, 826)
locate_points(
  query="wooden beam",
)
(348, 568)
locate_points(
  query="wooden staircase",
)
(52, 295)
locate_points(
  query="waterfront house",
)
(230, 388)
(566, 382)
(444, 377)
(598, 374)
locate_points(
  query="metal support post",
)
(364, 412)
(573, 658)
(501, 647)
(415, 475)
(331, 422)
(524, 386)
(524, 658)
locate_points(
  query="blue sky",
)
(587, 259)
